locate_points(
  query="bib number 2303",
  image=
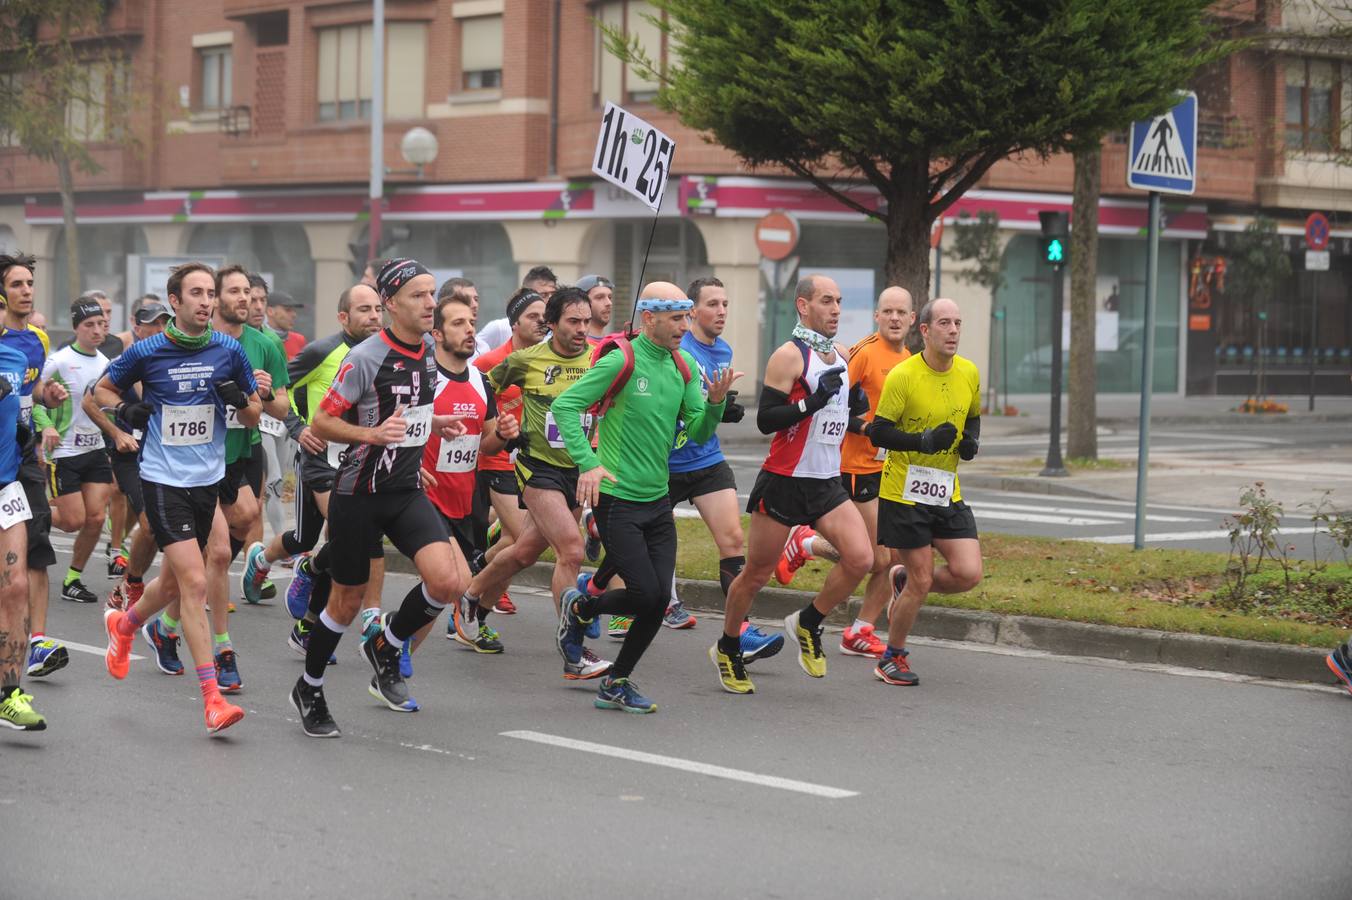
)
(928, 486)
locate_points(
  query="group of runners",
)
(471, 460)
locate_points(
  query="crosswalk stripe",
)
(1151, 538)
(983, 505)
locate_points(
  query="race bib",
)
(829, 424)
(928, 486)
(88, 439)
(460, 454)
(419, 423)
(881, 455)
(232, 418)
(187, 426)
(138, 434)
(272, 426)
(335, 454)
(26, 409)
(13, 506)
(554, 437)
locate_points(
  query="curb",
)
(1256, 659)
(1031, 485)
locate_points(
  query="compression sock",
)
(729, 567)
(206, 680)
(319, 563)
(809, 618)
(319, 597)
(324, 638)
(418, 608)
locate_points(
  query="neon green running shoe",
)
(16, 711)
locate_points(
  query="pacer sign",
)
(633, 155)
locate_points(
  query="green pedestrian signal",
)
(1055, 251)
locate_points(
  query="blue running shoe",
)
(299, 640)
(619, 693)
(571, 627)
(165, 645)
(298, 593)
(227, 672)
(594, 626)
(406, 660)
(255, 573)
(756, 644)
(45, 657)
(1340, 663)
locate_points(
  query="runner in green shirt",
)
(628, 485)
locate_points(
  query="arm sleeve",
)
(294, 424)
(578, 397)
(348, 385)
(776, 413)
(884, 433)
(303, 364)
(701, 417)
(972, 428)
(491, 399)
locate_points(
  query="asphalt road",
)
(1001, 775)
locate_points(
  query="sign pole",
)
(1314, 331)
(1152, 265)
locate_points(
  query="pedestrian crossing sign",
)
(1163, 154)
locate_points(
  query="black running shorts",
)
(408, 518)
(906, 526)
(34, 480)
(69, 472)
(862, 488)
(683, 486)
(178, 513)
(795, 501)
(127, 472)
(541, 475)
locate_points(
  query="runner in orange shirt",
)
(861, 466)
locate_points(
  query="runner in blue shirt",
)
(188, 376)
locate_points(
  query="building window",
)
(481, 53)
(344, 77)
(12, 84)
(216, 78)
(1314, 98)
(612, 79)
(97, 86)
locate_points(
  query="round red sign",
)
(776, 236)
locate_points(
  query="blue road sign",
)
(1163, 154)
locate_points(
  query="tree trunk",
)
(1082, 419)
(67, 182)
(908, 252)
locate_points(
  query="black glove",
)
(23, 434)
(5, 388)
(135, 414)
(938, 438)
(828, 385)
(967, 447)
(858, 400)
(732, 410)
(231, 393)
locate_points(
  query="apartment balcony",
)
(1309, 181)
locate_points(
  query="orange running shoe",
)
(118, 655)
(793, 557)
(861, 641)
(220, 715)
(505, 606)
(125, 594)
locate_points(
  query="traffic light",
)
(1055, 238)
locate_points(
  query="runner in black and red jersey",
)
(463, 390)
(380, 406)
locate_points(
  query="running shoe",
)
(583, 587)
(406, 660)
(810, 656)
(618, 626)
(897, 574)
(505, 606)
(793, 557)
(298, 592)
(676, 616)
(221, 714)
(117, 565)
(464, 620)
(861, 641)
(255, 573)
(620, 693)
(568, 637)
(313, 709)
(299, 640)
(117, 657)
(16, 711)
(268, 591)
(125, 595)
(227, 672)
(494, 532)
(731, 672)
(590, 666)
(165, 645)
(78, 593)
(895, 670)
(592, 548)
(45, 657)
(387, 685)
(371, 625)
(486, 641)
(1340, 662)
(756, 644)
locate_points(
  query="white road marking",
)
(684, 765)
(980, 505)
(1011, 516)
(1153, 537)
(86, 648)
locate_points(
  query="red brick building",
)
(251, 120)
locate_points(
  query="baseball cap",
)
(587, 282)
(150, 311)
(282, 298)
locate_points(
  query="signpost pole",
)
(1152, 265)
(1314, 331)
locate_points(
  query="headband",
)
(661, 304)
(396, 273)
(85, 309)
(518, 306)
